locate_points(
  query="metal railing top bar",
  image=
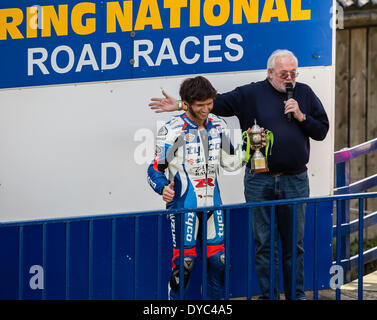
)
(358, 186)
(354, 152)
(183, 210)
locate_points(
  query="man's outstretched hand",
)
(166, 104)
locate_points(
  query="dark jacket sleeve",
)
(226, 104)
(316, 124)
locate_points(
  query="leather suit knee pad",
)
(217, 261)
(174, 278)
(216, 264)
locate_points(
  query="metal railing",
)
(344, 226)
(227, 211)
(342, 160)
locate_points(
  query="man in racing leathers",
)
(192, 146)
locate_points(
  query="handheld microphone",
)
(289, 90)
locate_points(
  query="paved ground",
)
(349, 291)
(345, 295)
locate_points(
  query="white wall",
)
(70, 150)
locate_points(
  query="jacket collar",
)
(191, 123)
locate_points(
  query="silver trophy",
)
(258, 160)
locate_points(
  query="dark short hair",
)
(196, 89)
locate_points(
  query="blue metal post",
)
(315, 269)
(338, 243)
(136, 262)
(294, 244)
(44, 262)
(113, 256)
(67, 258)
(20, 262)
(204, 254)
(227, 253)
(159, 253)
(361, 249)
(181, 256)
(90, 260)
(272, 251)
(249, 251)
(343, 179)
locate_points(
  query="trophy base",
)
(259, 170)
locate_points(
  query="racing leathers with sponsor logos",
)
(193, 158)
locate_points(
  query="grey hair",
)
(280, 53)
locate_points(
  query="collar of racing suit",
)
(191, 123)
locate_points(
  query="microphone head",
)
(289, 86)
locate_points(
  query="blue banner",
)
(65, 41)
